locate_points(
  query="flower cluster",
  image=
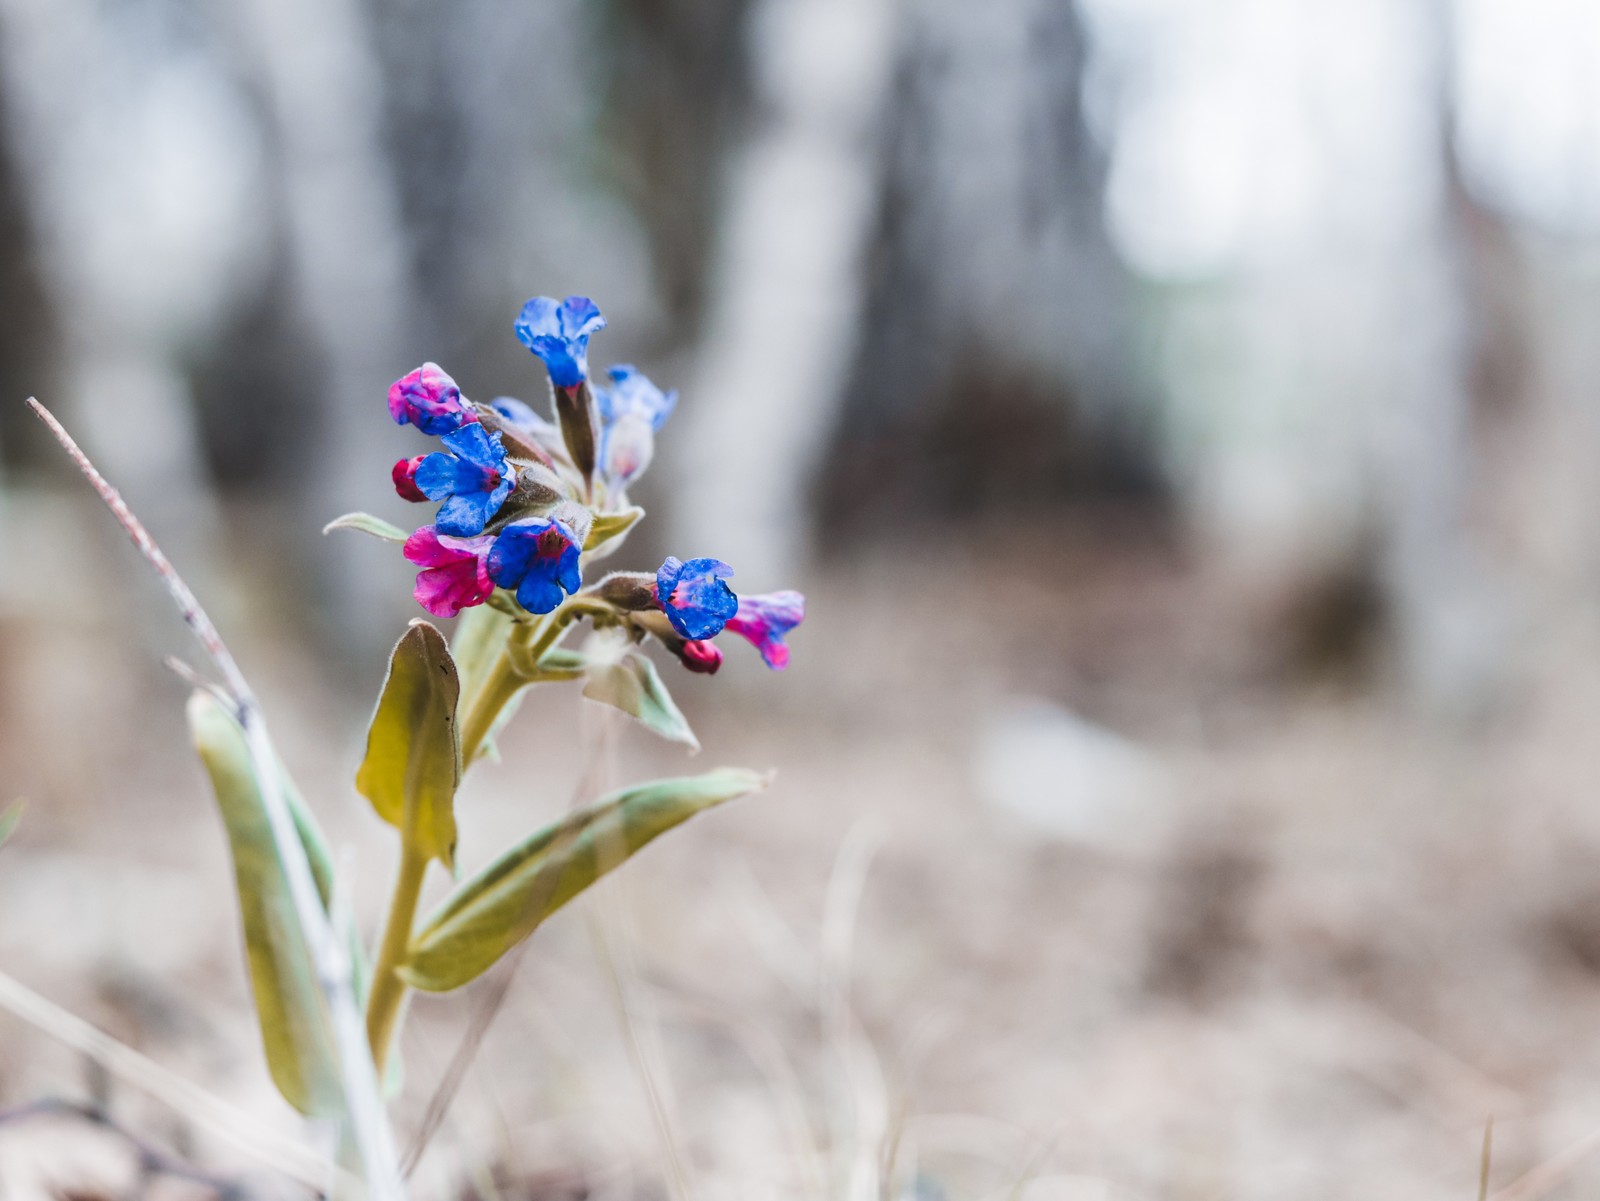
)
(525, 502)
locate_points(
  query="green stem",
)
(504, 679)
(388, 989)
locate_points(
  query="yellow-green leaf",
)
(632, 685)
(289, 1005)
(413, 759)
(504, 903)
(608, 526)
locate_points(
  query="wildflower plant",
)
(528, 508)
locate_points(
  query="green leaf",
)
(632, 685)
(9, 820)
(289, 1004)
(504, 903)
(367, 524)
(611, 525)
(413, 759)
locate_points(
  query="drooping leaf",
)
(413, 759)
(504, 903)
(632, 685)
(609, 526)
(366, 523)
(289, 1004)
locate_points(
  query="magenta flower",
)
(404, 475)
(765, 619)
(701, 656)
(429, 399)
(454, 575)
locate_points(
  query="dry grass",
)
(1360, 935)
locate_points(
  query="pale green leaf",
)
(413, 760)
(289, 1004)
(366, 523)
(608, 526)
(632, 685)
(504, 903)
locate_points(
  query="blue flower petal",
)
(695, 596)
(473, 482)
(538, 593)
(632, 393)
(539, 558)
(558, 332)
(631, 411)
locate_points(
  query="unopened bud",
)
(630, 591)
(701, 656)
(405, 479)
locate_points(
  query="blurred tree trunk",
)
(998, 364)
(678, 81)
(314, 62)
(139, 258)
(28, 337)
(786, 297)
(1448, 613)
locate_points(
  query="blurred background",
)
(1182, 419)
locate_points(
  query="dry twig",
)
(363, 1099)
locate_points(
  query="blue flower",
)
(539, 558)
(631, 411)
(558, 332)
(476, 479)
(694, 597)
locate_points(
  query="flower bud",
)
(629, 591)
(429, 399)
(701, 657)
(698, 655)
(405, 479)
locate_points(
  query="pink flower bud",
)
(405, 479)
(701, 656)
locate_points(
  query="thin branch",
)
(363, 1099)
